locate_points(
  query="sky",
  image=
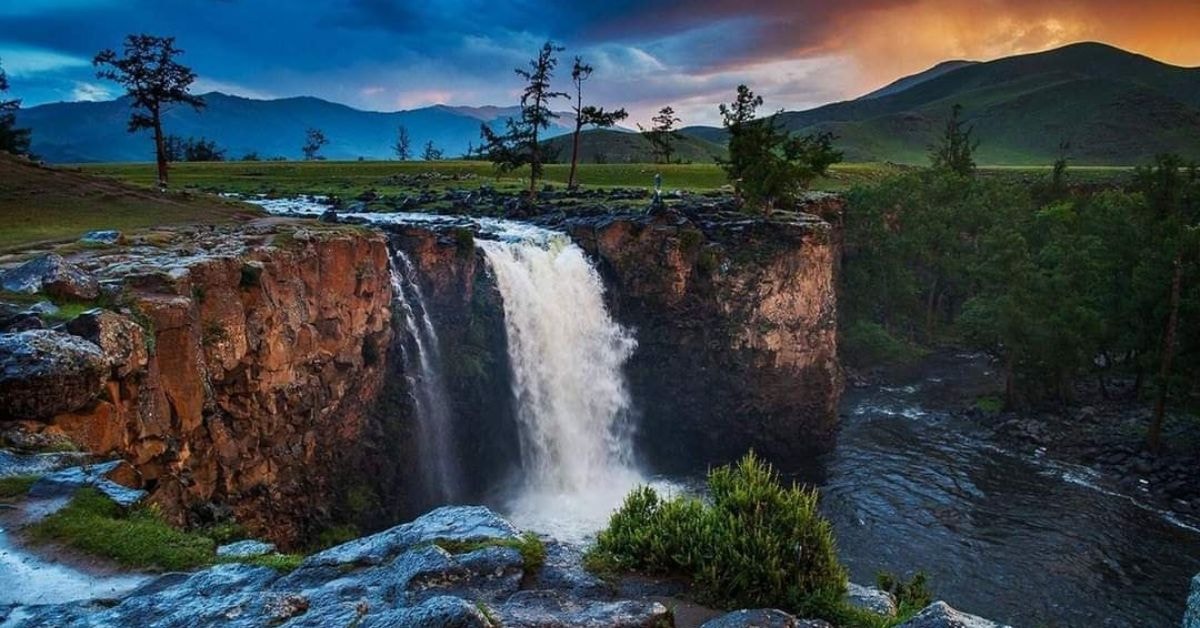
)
(387, 55)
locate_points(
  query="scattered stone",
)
(872, 599)
(53, 275)
(99, 476)
(941, 615)
(45, 372)
(108, 236)
(245, 549)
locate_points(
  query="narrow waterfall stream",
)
(566, 355)
(422, 360)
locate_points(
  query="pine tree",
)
(154, 80)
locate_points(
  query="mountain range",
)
(1109, 105)
(96, 131)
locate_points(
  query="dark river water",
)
(1013, 537)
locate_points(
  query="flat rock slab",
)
(245, 549)
(64, 483)
(399, 577)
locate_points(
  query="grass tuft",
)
(15, 487)
(140, 538)
(532, 549)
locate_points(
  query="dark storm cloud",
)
(390, 54)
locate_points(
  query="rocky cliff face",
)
(232, 369)
(736, 327)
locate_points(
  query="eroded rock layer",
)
(736, 325)
(240, 367)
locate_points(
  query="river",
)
(1012, 537)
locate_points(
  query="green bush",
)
(756, 544)
(912, 595)
(866, 343)
(13, 487)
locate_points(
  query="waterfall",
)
(566, 355)
(440, 472)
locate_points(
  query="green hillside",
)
(1112, 106)
(621, 147)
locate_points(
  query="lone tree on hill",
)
(767, 166)
(431, 152)
(519, 143)
(589, 115)
(154, 80)
(403, 145)
(662, 134)
(314, 139)
(955, 151)
(12, 139)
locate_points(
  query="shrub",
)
(15, 486)
(756, 544)
(912, 595)
(866, 343)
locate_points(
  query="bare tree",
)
(431, 152)
(589, 115)
(519, 144)
(154, 80)
(314, 139)
(662, 134)
(402, 147)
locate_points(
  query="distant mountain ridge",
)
(96, 131)
(1114, 108)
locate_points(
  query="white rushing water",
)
(435, 424)
(566, 356)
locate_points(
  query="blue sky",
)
(398, 54)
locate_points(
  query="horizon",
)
(388, 55)
(564, 112)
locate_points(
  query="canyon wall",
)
(238, 375)
(735, 319)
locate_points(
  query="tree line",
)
(1058, 282)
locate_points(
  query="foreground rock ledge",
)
(403, 577)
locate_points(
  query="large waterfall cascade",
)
(441, 472)
(566, 356)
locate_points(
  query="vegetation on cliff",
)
(1059, 282)
(139, 537)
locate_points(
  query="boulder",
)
(449, 523)
(1191, 616)
(122, 340)
(762, 618)
(107, 236)
(45, 372)
(245, 549)
(872, 599)
(53, 275)
(941, 615)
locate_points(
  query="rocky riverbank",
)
(455, 566)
